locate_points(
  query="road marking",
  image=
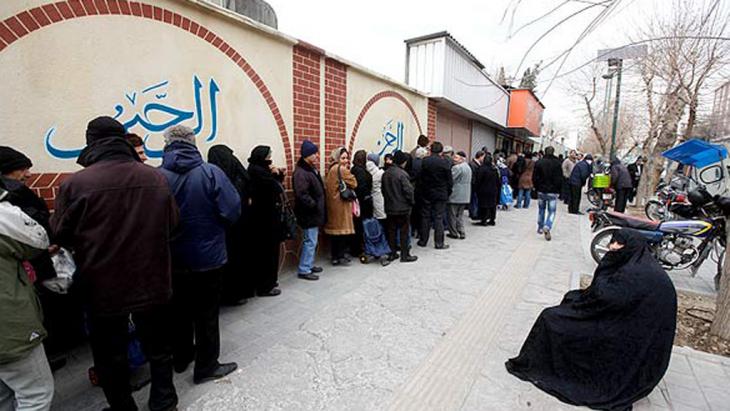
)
(445, 377)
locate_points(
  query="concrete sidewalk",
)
(431, 335)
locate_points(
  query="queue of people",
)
(163, 248)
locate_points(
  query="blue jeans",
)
(549, 201)
(523, 198)
(309, 248)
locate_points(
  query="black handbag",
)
(288, 219)
(346, 193)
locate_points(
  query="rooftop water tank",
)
(258, 10)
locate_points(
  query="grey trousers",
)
(27, 384)
(456, 219)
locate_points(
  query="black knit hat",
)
(400, 157)
(12, 160)
(103, 127)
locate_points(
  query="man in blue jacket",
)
(208, 203)
(578, 177)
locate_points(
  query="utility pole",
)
(618, 65)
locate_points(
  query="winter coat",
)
(620, 176)
(548, 175)
(378, 200)
(208, 204)
(117, 217)
(266, 204)
(580, 173)
(525, 181)
(635, 170)
(21, 238)
(567, 167)
(435, 180)
(364, 190)
(398, 192)
(339, 211)
(309, 206)
(461, 193)
(487, 184)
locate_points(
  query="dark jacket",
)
(548, 175)
(487, 183)
(266, 196)
(364, 190)
(435, 179)
(117, 216)
(397, 191)
(208, 204)
(580, 174)
(620, 177)
(309, 202)
(635, 171)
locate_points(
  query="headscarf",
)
(259, 155)
(360, 158)
(634, 248)
(12, 160)
(222, 156)
(335, 154)
(374, 158)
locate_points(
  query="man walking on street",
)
(436, 185)
(399, 198)
(117, 216)
(460, 196)
(208, 204)
(621, 183)
(578, 178)
(309, 207)
(548, 180)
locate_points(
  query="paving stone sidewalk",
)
(432, 335)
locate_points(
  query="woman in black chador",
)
(607, 346)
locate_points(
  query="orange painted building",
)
(525, 113)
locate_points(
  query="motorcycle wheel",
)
(655, 210)
(594, 197)
(600, 242)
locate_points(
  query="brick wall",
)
(335, 104)
(432, 113)
(306, 80)
(45, 185)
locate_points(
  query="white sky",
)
(371, 33)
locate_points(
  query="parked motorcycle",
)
(659, 207)
(601, 195)
(677, 245)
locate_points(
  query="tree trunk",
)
(666, 139)
(691, 119)
(721, 323)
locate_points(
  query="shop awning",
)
(696, 153)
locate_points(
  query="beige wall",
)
(384, 115)
(63, 75)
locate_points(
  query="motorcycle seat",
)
(629, 221)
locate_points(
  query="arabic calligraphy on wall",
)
(147, 113)
(391, 141)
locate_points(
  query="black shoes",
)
(310, 276)
(455, 237)
(219, 372)
(407, 258)
(181, 366)
(316, 269)
(341, 261)
(421, 244)
(443, 247)
(271, 293)
(548, 237)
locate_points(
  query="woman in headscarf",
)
(377, 174)
(609, 345)
(340, 225)
(364, 193)
(265, 220)
(237, 281)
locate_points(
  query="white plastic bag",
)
(65, 268)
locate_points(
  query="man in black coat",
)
(621, 183)
(475, 163)
(309, 207)
(578, 177)
(486, 185)
(548, 180)
(436, 184)
(399, 197)
(636, 169)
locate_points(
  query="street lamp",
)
(615, 66)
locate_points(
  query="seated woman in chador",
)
(607, 346)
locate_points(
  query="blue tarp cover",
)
(696, 153)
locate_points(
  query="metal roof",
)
(445, 34)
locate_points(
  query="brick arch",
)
(20, 25)
(374, 99)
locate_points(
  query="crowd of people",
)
(161, 249)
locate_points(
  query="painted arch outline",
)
(374, 99)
